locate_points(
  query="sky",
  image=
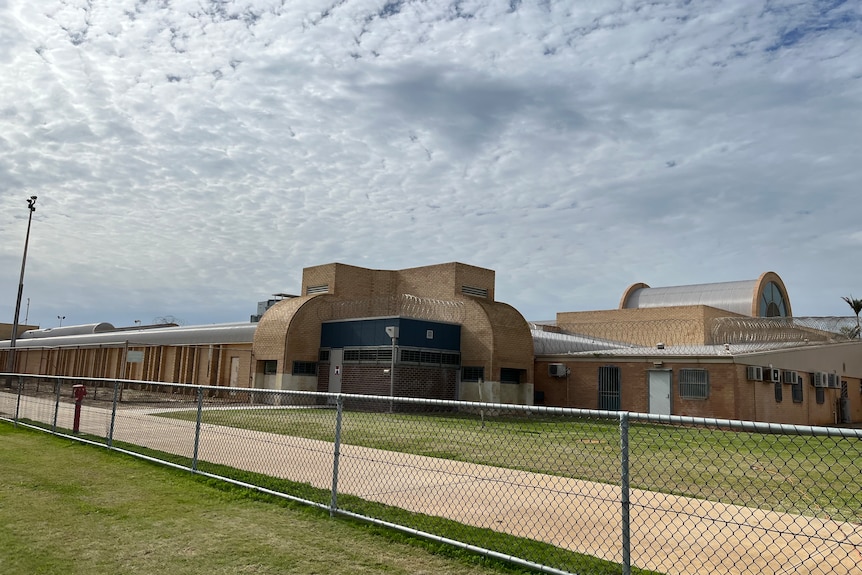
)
(191, 157)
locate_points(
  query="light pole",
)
(392, 332)
(10, 358)
(60, 318)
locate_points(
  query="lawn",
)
(67, 508)
(815, 476)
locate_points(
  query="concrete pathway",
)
(671, 534)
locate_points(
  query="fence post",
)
(18, 402)
(113, 415)
(56, 405)
(624, 492)
(198, 429)
(339, 409)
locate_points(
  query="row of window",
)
(383, 355)
(694, 384)
(507, 375)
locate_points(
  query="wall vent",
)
(474, 291)
(790, 377)
(754, 373)
(317, 289)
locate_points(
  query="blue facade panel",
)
(372, 332)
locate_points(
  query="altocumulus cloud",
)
(190, 157)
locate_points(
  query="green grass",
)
(815, 476)
(130, 516)
(69, 508)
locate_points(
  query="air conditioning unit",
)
(833, 380)
(557, 370)
(819, 379)
(754, 373)
(775, 375)
(790, 377)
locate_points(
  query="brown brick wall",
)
(732, 396)
(682, 325)
(410, 380)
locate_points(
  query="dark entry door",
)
(609, 388)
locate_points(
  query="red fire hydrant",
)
(78, 391)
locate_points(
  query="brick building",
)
(728, 350)
(453, 340)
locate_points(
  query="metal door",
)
(659, 392)
(609, 388)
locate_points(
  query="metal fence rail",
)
(557, 490)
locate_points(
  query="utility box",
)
(557, 370)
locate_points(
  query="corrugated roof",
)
(179, 335)
(735, 297)
(68, 330)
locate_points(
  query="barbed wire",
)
(406, 305)
(720, 336)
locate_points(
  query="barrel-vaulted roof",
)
(765, 296)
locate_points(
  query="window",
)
(796, 390)
(429, 357)
(820, 395)
(368, 354)
(323, 355)
(772, 301)
(609, 384)
(304, 368)
(270, 366)
(411, 355)
(779, 392)
(694, 384)
(510, 375)
(472, 373)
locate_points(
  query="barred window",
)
(351, 355)
(796, 390)
(472, 373)
(270, 366)
(779, 392)
(820, 395)
(694, 384)
(368, 355)
(510, 375)
(411, 355)
(323, 355)
(304, 368)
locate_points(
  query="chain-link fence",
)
(557, 490)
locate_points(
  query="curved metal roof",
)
(179, 335)
(731, 296)
(68, 330)
(765, 296)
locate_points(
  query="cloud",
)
(192, 157)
